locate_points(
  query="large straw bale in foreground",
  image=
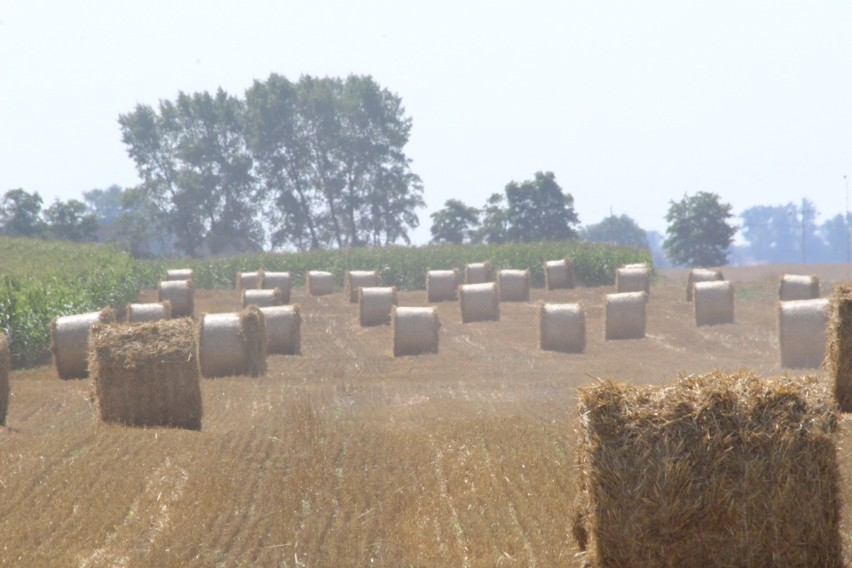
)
(147, 374)
(263, 298)
(180, 274)
(561, 327)
(479, 302)
(250, 280)
(625, 315)
(319, 283)
(233, 343)
(513, 285)
(711, 471)
(283, 329)
(701, 275)
(181, 296)
(415, 330)
(558, 274)
(713, 302)
(153, 311)
(442, 285)
(802, 326)
(354, 280)
(5, 369)
(375, 305)
(282, 281)
(633, 279)
(798, 287)
(839, 351)
(70, 342)
(478, 273)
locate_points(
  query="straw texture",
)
(70, 342)
(233, 343)
(839, 352)
(633, 279)
(798, 287)
(282, 281)
(802, 326)
(558, 274)
(5, 370)
(415, 330)
(179, 274)
(375, 305)
(263, 298)
(561, 327)
(250, 280)
(513, 285)
(479, 302)
(140, 313)
(181, 295)
(701, 275)
(283, 330)
(625, 315)
(320, 283)
(713, 302)
(442, 285)
(357, 279)
(478, 273)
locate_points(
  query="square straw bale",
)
(712, 470)
(839, 351)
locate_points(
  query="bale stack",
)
(839, 352)
(280, 280)
(232, 343)
(415, 330)
(250, 280)
(798, 287)
(561, 327)
(320, 283)
(634, 278)
(179, 274)
(625, 315)
(713, 470)
(141, 313)
(513, 285)
(478, 273)
(283, 330)
(713, 302)
(479, 302)
(357, 279)
(181, 296)
(5, 370)
(263, 298)
(70, 342)
(442, 285)
(559, 274)
(375, 305)
(802, 326)
(147, 374)
(701, 275)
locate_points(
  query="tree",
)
(455, 223)
(538, 210)
(493, 228)
(772, 233)
(105, 203)
(834, 232)
(20, 214)
(620, 230)
(70, 221)
(699, 233)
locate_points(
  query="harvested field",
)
(348, 456)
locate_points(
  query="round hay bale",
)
(442, 285)
(70, 342)
(714, 302)
(139, 313)
(5, 369)
(415, 330)
(802, 332)
(478, 273)
(513, 285)
(282, 281)
(798, 287)
(262, 298)
(283, 330)
(625, 315)
(636, 279)
(250, 280)
(356, 279)
(637, 265)
(479, 302)
(179, 274)
(320, 283)
(559, 274)
(375, 305)
(232, 343)
(181, 295)
(561, 327)
(701, 275)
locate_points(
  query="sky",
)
(630, 104)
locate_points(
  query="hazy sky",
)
(630, 104)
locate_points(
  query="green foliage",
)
(699, 233)
(20, 214)
(621, 230)
(454, 223)
(538, 210)
(69, 221)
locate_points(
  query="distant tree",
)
(699, 233)
(105, 203)
(20, 214)
(71, 221)
(538, 210)
(834, 232)
(619, 229)
(772, 233)
(494, 225)
(455, 223)
(141, 229)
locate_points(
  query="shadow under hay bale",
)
(70, 342)
(147, 374)
(263, 298)
(713, 470)
(701, 275)
(179, 274)
(513, 285)
(181, 296)
(415, 330)
(479, 302)
(802, 327)
(442, 285)
(5, 370)
(250, 280)
(375, 305)
(625, 315)
(839, 351)
(798, 287)
(478, 273)
(141, 313)
(357, 279)
(283, 330)
(713, 302)
(559, 274)
(633, 279)
(320, 283)
(561, 327)
(232, 343)
(281, 280)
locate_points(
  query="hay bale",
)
(713, 470)
(513, 285)
(701, 275)
(180, 274)
(262, 298)
(5, 370)
(233, 343)
(147, 374)
(625, 315)
(282, 281)
(798, 287)
(250, 280)
(478, 273)
(357, 279)
(442, 285)
(70, 342)
(561, 327)
(375, 305)
(181, 295)
(839, 351)
(320, 283)
(415, 330)
(635, 279)
(713, 302)
(479, 302)
(802, 328)
(139, 313)
(283, 330)
(637, 265)
(559, 274)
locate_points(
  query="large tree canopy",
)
(455, 223)
(620, 229)
(699, 233)
(538, 210)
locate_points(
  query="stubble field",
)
(346, 456)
